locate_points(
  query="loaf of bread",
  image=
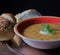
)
(10, 17)
(27, 14)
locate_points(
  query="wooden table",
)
(27, 50)
(24, 49)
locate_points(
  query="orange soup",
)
(39, 32)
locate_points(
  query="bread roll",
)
(6, 31)
(27, 14)
(15, 40)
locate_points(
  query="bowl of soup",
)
(42, 32)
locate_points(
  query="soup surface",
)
(33, 32)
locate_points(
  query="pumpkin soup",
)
(43, 31)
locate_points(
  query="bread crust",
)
(16, 40)
(10, 17)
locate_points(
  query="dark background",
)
(46, 7)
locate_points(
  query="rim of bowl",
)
(22, 36)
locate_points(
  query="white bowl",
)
(39, 44)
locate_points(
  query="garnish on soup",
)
(47, 29)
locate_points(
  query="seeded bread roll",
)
(10, 17)
(27, 14)
(15, 40)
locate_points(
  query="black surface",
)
(46, 7)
